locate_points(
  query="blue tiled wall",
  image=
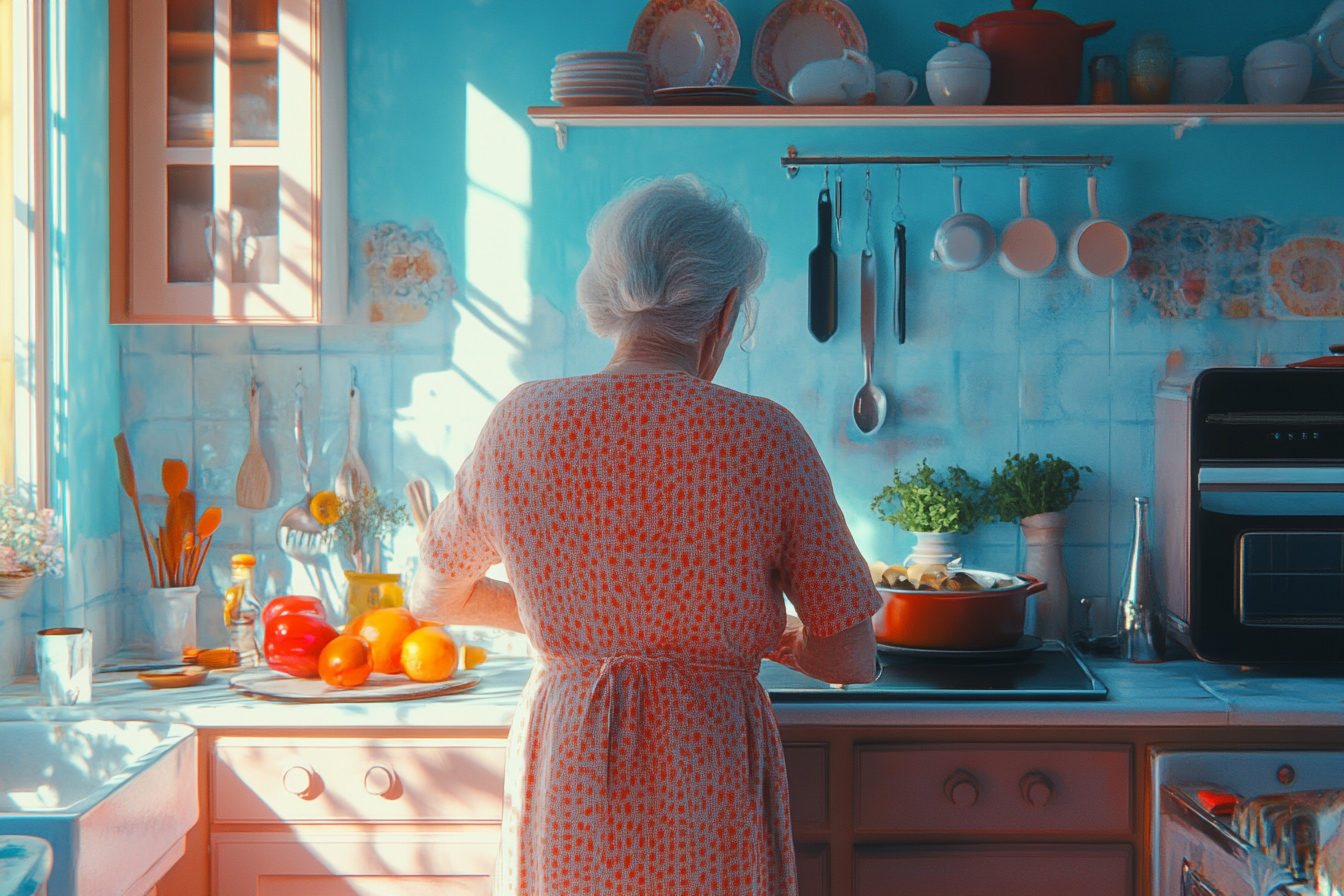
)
(438, 138)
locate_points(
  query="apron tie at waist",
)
(616, 691)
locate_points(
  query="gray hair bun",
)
(665, 255)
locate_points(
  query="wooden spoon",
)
(176, 521)
(127, 473)
(205, 530)
(253, 489)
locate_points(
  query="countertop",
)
(1184, 693)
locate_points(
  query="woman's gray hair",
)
(665, 255)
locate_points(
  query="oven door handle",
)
(1194, 884)
(1271, 479)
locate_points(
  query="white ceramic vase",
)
(935, 547)
(170, 615)
(1047, 612)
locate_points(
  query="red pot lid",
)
(1334, 359)
(1022, 13)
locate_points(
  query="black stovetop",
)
(1054, 672)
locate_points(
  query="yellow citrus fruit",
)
(429, 654)
(325, 507)
(385, 630)
(472, 656)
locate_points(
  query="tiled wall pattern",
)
(441, 140)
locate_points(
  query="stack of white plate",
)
(600, 78)
(1331, 91)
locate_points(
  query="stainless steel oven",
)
(1249, 513)
(1256, 823)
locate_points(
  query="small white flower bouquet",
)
(30, 540)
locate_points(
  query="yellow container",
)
(371, 591)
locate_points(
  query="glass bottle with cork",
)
(242, 610)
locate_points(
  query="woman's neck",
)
(642, 355)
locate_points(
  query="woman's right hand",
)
(848, 657)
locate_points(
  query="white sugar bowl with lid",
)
(958, 76)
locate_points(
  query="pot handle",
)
(952, 30)
(1096, 29)
(1034, 585)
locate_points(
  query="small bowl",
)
(185, 677)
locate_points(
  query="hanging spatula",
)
(253, 489)
(821, 272)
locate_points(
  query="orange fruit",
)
(346, 661)
(385, 630)
(472, 656)
(429, 654)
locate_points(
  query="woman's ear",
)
(728, 316)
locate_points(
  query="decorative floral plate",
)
(797, 32)
(690, 43)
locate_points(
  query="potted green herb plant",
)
(1035, 492)
(935, 509)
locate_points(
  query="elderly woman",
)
(651, 523)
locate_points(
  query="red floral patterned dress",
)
(648, 523)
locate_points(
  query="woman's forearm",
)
(451, 602)
(849, 657)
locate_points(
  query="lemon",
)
(326, 508)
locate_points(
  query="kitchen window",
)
(23, 371)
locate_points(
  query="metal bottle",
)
(1142, 615)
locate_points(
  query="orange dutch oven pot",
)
(1036, 55)
(956, 620)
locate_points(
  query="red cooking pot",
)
(1036, 55)
(956, 620)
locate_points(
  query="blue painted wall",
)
(438, 138)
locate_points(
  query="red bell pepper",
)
(293, 603)
(294, 642)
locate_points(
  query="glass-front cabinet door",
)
(230, 144)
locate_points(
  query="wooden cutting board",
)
(378, 689)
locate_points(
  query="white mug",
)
(65, 665)
(1201, 80)
(895, 88)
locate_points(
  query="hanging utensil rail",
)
(793, 161)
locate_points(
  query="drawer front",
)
(357, 779)
(809, 790)
(992, 789)
(994, 871)
(378, 863)
(813, 862)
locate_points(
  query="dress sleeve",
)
(457, 543)
(823, 573)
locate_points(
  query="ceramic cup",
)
(1201, 80)
(1028, 246)
(847, 79)
(1277, 73)
(964, 241)
(65, 665)
(895, 88)
(1099, 248)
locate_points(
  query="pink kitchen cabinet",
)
(1007, 870)
(302, 816)
(227, 156)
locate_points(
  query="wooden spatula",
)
(127, 473)
(253, 489)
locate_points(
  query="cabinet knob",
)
(299, 781)
(961, 788)
(1037, 789)
(381, 781)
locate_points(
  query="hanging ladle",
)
(870, 404)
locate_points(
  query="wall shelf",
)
(1179, 118)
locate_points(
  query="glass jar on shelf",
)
(1150, 66)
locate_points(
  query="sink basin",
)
(114, 799)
